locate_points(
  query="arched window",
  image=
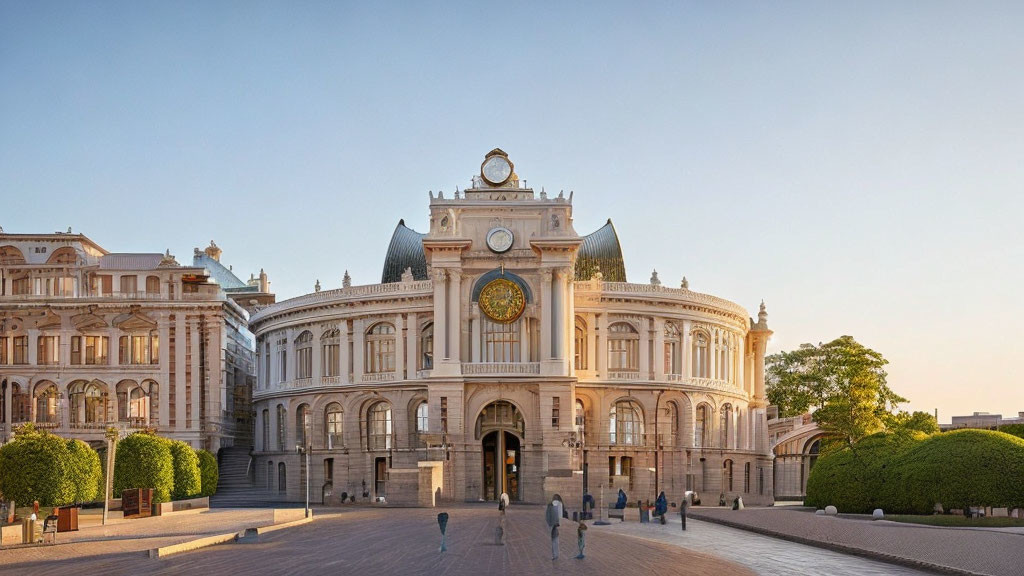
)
(380, 348)
(701, 341)
(95, 404)
(46, 403)
(727, 476)
(332, 426)
(581, 344)
(726, 425)
(65, 255)
(500, 415)
(9, 255)
(501, 341)
(427, 347)
(672, 424)
(581, 420)
(623, 346)
(330, 358)
(672, 355)
(304, 355)
(746, 477)
(21, 404)
(303, 425)
(282, 417)
(152, 284)
(422, 420)
(282, 479)
(378, 424)
(270, 475)
(266, 430)
(700, 429)
(626, 424)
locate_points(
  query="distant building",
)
(982, 420)
(795, 443)
(91, 339)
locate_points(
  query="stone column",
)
(164, 332)
(659, 349)
(8, 412)
(760, 345)
(358, 351)
(217, 391)
(317, 371)
(545, 315)
(289, 362)
(179, 371)
(684, 340)
(455, 316)
(524, 338)
(645, 348)
(601, 345)
(399, 348)
(114, 350)
(33, 349)
(412, 337)
(474, 332)
(440, 315)
(591, 342)
(196, 381)
(343, 355)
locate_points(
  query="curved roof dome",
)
(405, 251)
(601, 250)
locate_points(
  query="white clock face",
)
(499, 239)
(496, 170)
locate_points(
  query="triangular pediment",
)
(134, 320)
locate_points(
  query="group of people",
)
(553, 515)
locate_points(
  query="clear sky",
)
(858, 167)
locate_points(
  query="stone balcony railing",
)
(500, 368)
(634, 376)
(144, 296)
(672, 294)
(378, 377)
(424, 287)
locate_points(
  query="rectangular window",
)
(304, 362)
(152, 285)
(3, 352)
(76, 349)
(140, 349)
(21, 286)
(48, 350)
(96, 349)
(284, 366)
(122, 350)
(154, 349)
(21, 350)
(611, 466)
(331, 360)
(554, 412)
(444, 415)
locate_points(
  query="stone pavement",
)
(131, 536)
(405, 541)
(951, 550)
(762, 554)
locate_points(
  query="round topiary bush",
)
(963, 468)
(40, 466)
(144, 460)
(209, 472)
(187, 478)
(862, 478)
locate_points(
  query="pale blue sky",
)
(858, 167)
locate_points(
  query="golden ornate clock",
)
(502, 300)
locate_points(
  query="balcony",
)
(500, 368)
(378, 377)
(118, 296)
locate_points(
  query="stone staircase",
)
(235, 488)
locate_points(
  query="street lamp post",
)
(111, 435)
(575, 443)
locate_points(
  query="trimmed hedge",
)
(1013, 429)
(187, 478)
(209, 472)
(861, 479)
(911, 473)
(144, 460)
(38, 465)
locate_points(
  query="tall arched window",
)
(282, 417)
(332, 426)
(727, 476)
(152, 284)
(380, 348)
(46, 404)
(330, 358)
(726, 425)
(303, 425)
(701, 342)
(427, 347)
(282, 479)
(625, 424)
(270, 475)
(378, 424)
(700, 429)
(723, 358)
(422, 419)
(304, 355)
(581, 344)
(672, 426)
(266, 430)
(581, 419)
(672, 356)
(623, 346)
(501, 341)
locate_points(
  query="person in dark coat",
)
(553, 515)
(621, 502)
(661, 506)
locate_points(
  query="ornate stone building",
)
(91, 339)
(502, 351)
(795, 443)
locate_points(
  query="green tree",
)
(904, 421)
(37, 465)
(842, 381)
(187, 478)
(209, 472)
(143, 460)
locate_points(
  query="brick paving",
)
(405, 541)
(951, 550)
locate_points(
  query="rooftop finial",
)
(655, 281)
(685, 284)
(316, 287)
(346, 281)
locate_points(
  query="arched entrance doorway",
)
(500, 428)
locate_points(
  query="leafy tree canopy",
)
(904, 421)
(842, 381)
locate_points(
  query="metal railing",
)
(499, 368)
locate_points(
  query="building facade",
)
(504, 352)
(795, 442)
(983, 420)
(91, 339)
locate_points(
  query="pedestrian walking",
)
(442, 522)
(553, 515)
(580, 538)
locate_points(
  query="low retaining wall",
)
(181, 506)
